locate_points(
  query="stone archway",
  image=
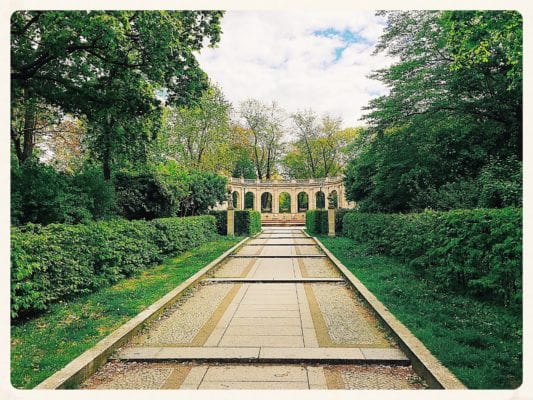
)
(236, 200)
(284, 203)
(303, 202)
(264, 196)
(249, 201)
(320, 199)
(266, 202)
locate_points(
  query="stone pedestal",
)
(231, 223)
(331, 221)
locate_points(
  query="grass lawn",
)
(478, 341)
(43, 345)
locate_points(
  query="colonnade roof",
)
(294, 183)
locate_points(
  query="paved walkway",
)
(274, 315)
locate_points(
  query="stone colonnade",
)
(293, 187)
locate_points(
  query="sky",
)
(301, 59)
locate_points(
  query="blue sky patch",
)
(347, 36)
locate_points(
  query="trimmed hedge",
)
(60, 261)
(247, 222)
(316, 221)
(476, 251)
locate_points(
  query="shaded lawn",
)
(43, 345)
(480, 342)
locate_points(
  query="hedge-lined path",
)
(276, 314)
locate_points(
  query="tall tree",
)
(319, 149)
(455, 104)
(106, 65)
(307, 130)
(265, 122)
(199, 135)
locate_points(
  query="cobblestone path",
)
(277, 314)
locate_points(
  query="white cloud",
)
(275, 55)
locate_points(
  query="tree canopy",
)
(453, 112)
(111, 66)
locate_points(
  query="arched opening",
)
(303, 202)
(334, 198)
(284, 202)
(266, 202)
(236, 200)
(320, 199)
(249, 201)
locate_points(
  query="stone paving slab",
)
(261, 373)
(264, 330)
(266, 321)
(254, 385)
(262, 341)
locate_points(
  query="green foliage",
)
(285, 202)
(479, 38)
(221, 217)
(109, 66)
(479, 341)
(316, 221)
(206, 189)
(244, 167)
(40, 194)
(246, 223)
(455, 106)
(478, 252)
(168, 190)
(61, 261)
(143, 196)
(43, 345)
(313, 221)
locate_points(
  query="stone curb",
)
(88, 362)
(436, 375)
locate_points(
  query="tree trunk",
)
(24, 150)
(106, 149)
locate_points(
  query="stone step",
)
(275, 256)
(281, 244)
(274, 280)
(323, 355)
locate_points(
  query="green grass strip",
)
(479, 341)
(43, 345)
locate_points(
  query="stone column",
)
(331, 221)
(294, 202)
(275, 202)
(257, 201)
(230, 223)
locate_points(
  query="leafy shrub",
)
(313, 221)
(316, 221)
(60, 261)
(143, 196)
(40, 194)
(205, 190)
(221, 217)
(475, 251)
(247, 222)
